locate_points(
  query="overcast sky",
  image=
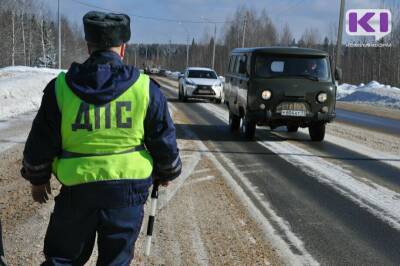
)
(299, 14)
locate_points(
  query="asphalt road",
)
(386, 125)
(331, 225)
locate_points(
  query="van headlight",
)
(266, 95)
(322, 97)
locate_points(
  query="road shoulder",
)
(369, 109)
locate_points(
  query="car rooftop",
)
(200, 68)
(281, 50)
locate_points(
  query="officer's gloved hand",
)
(40, 193)
(159, 181)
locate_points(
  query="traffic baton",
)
(150, 226)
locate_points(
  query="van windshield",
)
(202, 74)
(314, 68)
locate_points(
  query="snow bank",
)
(371, 93)
(21, 89)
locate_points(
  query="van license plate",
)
(293, 113)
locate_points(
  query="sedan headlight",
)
(217, 86)
(189, 83)
(322, 97)
(190, 86)
(266, 95)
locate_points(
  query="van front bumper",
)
(269, 117)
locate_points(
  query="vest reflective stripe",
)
(69, 155)
(103, 143)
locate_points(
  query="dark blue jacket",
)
(101, 79)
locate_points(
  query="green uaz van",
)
(280, 86)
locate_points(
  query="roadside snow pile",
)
(371, 93)
(21, 89)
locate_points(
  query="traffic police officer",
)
(104, 130)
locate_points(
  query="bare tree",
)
(311, 37)
(287, 36)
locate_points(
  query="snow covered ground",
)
(371, 93)
(21, 89)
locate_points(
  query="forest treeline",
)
(29, 37)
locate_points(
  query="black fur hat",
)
(106, 29)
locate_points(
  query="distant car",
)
(174, 75)
(147, 71)
(154, 70)
(292, 87)
(201, 83)
(162, 73)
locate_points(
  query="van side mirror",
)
(338, 74)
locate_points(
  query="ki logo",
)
(369, 22)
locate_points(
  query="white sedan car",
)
(202, 83)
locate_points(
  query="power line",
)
(154, 18)
(279, 13)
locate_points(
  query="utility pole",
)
(187, 43)
(59, 35)
(215, 41)
(135, 51)
(187, 52)
(340, 34)
(244, 30)
(169, 54)
(146, 53)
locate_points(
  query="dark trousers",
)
(1, 247)
(71, 233)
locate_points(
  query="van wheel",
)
(248, 128)
(292, 129)
(234, 122)
(317, 132)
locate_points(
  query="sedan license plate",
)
(203, 91)
(296, 113)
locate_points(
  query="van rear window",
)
(267, 66)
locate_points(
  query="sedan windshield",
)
(202, 74)
(313, 68)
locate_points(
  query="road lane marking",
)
(187, 171)
(197, 242)
(253, 171)
(378, 200)
(202, 179)
(302, 256)
(201, 171)
(251, 165)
